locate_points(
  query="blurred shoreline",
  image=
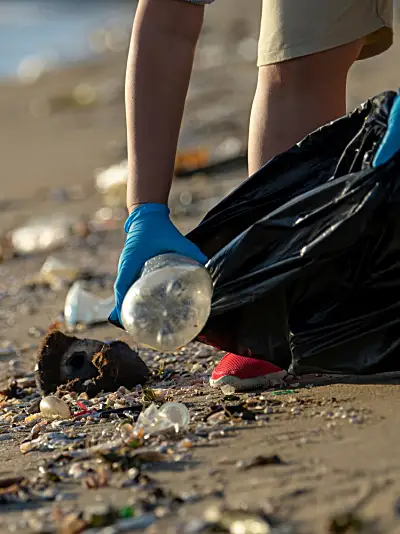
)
(57, 34)
(51, 141)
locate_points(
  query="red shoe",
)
(245, 373)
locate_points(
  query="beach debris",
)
(12, 391)
(171, 416)
(81, 306)
(189, 159)
(86, 365)
(237, 521)
(227, 389)
(239, 411)
(57, 274)
(258, 461)
(52, 407)
(111, 183)
(100, 516)
(177, 413)
(7, 348)
(22, 490)
(42, 234)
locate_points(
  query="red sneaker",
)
(245, 373)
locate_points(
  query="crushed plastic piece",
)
(171, 416)
(177, 413)
(84, 307)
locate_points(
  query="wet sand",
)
(332, 464)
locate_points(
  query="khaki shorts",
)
(295, 28)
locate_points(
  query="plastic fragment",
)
(171, 416)
(84, 307)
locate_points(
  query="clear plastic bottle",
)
(168, 306)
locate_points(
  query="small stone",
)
(197, 368)
(259, 461)
(227, 389)
(36, 431)
(397, 507)
(52, 406)
(32, 418)
(26, 447)
(186, 444)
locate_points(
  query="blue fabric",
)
(150, 232)
(391, 141)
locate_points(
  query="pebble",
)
(228, 389)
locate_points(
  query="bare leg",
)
(295, 97)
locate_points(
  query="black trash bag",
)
(305, 255)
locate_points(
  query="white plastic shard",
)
(81, 306)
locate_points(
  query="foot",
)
(244, 373)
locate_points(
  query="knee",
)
(321, 71)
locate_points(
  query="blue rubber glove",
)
(150, 233)
(391, 141)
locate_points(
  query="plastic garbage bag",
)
(305, 255)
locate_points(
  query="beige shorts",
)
(295, 28)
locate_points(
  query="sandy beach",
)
(338, 439)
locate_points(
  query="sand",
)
(333, 465)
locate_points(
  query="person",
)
(306, 49)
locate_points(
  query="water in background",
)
(57, 30)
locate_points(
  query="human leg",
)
(295, 97)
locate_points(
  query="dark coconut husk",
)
(67, 363)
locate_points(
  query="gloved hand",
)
(150, 233)
(391, 141)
